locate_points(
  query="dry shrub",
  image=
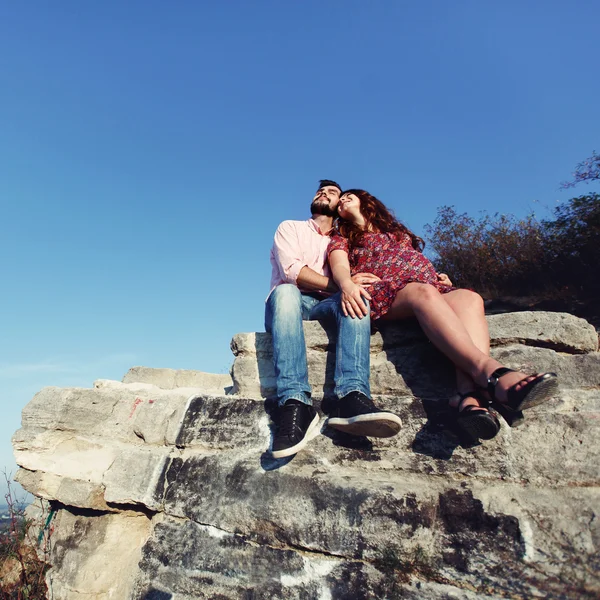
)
(574, 245)
(501, 255)
(24, 551)
(496, 255)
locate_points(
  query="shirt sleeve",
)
(337, 242)
(287, 252)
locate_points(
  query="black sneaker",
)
(294, 422)
(356, 414)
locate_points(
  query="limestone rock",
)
(400, 354)
(169, 379)
(94, 555)
(559, 331)
(164, 490)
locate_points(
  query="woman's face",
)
(348, 205)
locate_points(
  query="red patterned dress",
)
(394, 260)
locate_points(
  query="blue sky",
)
(149, 150)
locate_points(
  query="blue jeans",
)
(285, 310)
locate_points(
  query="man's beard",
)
(320, 207)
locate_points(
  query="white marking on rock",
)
(314, 570)
(527, 535)
(263, 425)
(215, 532)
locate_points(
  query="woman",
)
(371, 240)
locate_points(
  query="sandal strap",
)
(469, 409)
(492, 381)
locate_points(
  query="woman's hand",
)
(444, 279)
(365, 279)
(352, 299)
(352, 292)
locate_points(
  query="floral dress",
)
(394, 260)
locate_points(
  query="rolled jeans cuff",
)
(342, 393)
(301, 397)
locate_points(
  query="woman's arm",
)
(352, 293)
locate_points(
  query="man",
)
(302, 289)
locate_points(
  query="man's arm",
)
(288, 252)
(313, 282)
(289, 256)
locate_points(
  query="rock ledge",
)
(163, 488)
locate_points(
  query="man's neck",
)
(325, 223)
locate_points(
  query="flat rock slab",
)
(343, 540)
(71, 462)
(558, 331)
(402, 359)
(169, 379)
(231, 567)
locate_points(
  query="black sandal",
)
(477, 422)
(537, 391)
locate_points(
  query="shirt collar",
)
(315, 227)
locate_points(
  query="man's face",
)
(325, 201)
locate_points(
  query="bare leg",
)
(446, 330)
(468, 307)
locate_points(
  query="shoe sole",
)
(543, 391)
(479, 426)
(381, 425)
(295, 449)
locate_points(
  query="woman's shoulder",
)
(384, 235)
(336, 237)
(337, 242)
(400, 237)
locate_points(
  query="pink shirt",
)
(298, 244)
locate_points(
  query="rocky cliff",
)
(161, 486)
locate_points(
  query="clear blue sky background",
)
(149, 150)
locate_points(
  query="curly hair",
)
(379, 219)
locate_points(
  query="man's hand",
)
(352, 300)
(444, 279)
(365, 279)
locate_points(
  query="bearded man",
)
(302, 289)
